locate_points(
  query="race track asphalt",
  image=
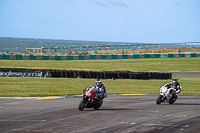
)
(118, 114)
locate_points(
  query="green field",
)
(29, 86)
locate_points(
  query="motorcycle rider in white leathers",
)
(176, 87)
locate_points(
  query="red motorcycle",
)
(90, 99)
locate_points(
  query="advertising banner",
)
(24, 73)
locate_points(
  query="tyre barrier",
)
(15, 72)
(111, 74)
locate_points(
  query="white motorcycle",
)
(167, 95)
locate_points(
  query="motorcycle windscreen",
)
(91, 91)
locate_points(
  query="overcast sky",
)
(145, 21)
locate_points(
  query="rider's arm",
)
(102, 91)
(105, 93)
(104, 88)
(168, 86)
(178, 90)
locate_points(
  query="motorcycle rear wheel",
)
(172, 100)
(97, 106)
(81, 105)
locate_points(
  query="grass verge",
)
(34, 87)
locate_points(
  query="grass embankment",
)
(28, 86)
(144, 64)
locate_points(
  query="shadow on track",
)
(116, 109)
(186, 104)
(179, 104)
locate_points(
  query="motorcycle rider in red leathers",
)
(101, 88)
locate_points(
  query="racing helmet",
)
(175, 82)
(98, 82)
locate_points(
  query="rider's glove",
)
(105, 94)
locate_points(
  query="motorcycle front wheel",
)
(158, 101)
(81, 105)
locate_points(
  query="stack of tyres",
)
(95, 75)
(62, 74)
(90, 74)
(160, 76)
(104, 75)
(119, 75)
(86, 74)
(144, 75)
(58, 74)
(101, 75)
(134, 75)
(75, 75)
(153, 75)
(53, 73)
(98, 74)
(66, 74)
(82, 74)
(70, 74)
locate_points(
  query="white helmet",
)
(98, 82)
(174, 82)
